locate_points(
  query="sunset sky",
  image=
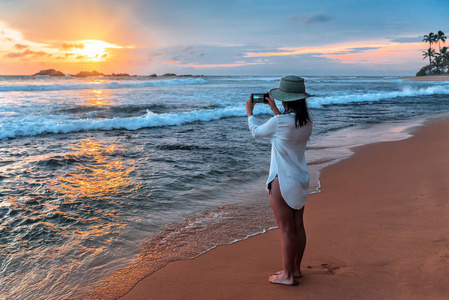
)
(233, 37)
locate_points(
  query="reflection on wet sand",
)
(103, 175)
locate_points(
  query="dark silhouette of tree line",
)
(438, 61)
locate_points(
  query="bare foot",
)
(280, 279)
(295, 274)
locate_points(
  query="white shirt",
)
(288, 161)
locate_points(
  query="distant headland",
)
(53, 72)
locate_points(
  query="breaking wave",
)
(319, 102)
(31, 126)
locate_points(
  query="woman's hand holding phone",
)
(267, 100)
(249, 106)
(272, 105)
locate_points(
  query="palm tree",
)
(429, 53)
(440, 37)
(445, 55)
(440, 60)
(438, 64)
(429, 38)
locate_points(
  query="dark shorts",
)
(269, 186)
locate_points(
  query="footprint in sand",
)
(330, 268)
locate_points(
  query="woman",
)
(288, 180)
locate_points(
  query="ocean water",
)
(105, 180)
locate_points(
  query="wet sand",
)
(378, 230)
(444, 77)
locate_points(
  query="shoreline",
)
(218, 267)
(444, 77)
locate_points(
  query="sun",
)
(94, 50)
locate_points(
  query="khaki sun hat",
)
(291, 88)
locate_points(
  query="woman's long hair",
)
(299, 107)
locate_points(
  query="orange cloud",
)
(320, 50)
(67, 46)
(20, 46)
(66, 55)
(110, 21)
(26, 53)
(386, 52)
(393, 53)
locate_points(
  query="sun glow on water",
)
(102, 177)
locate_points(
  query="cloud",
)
(68, 46)
(26, 53)
(187, 54)
(228, 65)
(321, 51)
(376, 54)
(13, 55)
(352, 50)
(387, 54)
(188, 49)
(20, 46)
(15, 36)
(315, 17)
(407, 39)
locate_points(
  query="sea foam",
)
(319, 102)
(31, 126)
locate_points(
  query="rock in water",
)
(169, 75)
(87, 74)
(50, 72)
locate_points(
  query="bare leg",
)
(284, 215)
(301, 238)
(301, 243)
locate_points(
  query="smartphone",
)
(259, 98)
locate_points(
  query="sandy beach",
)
(443, 77)
(378, 230)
